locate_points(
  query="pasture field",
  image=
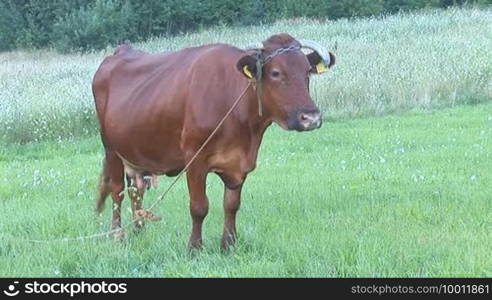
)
(397, 182)
(420, 60)
(401, 195)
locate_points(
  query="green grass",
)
(421, 60)
(406, 195)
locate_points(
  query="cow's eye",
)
(275, 74)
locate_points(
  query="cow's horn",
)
(322, 52)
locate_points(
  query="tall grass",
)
(419, 60)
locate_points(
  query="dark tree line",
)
(80, 25)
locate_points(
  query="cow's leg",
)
(232, 202)
(136, 190)
(196, 177)
(104, 187)
(116, 172)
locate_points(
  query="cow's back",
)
(131, 78)
(141, 101)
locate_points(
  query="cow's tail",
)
(104, 187)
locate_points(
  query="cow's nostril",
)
(304, 120)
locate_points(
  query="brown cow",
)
(156, 110)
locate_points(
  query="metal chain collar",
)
(280, 51)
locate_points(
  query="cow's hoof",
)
(119, 235)
(227, 247)
(195, 245)
(228, 242)
(139, 226)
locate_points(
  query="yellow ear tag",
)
(321, 68)
(247, 72)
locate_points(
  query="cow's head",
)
(281, 72)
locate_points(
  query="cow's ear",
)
(317, 64)
(247, 66)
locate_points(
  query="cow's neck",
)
(258, 122)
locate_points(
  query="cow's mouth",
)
(304, 120)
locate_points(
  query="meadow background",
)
(399, 175)
(385, 65)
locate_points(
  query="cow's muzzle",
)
(304, 120)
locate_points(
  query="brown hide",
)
(156, 110)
